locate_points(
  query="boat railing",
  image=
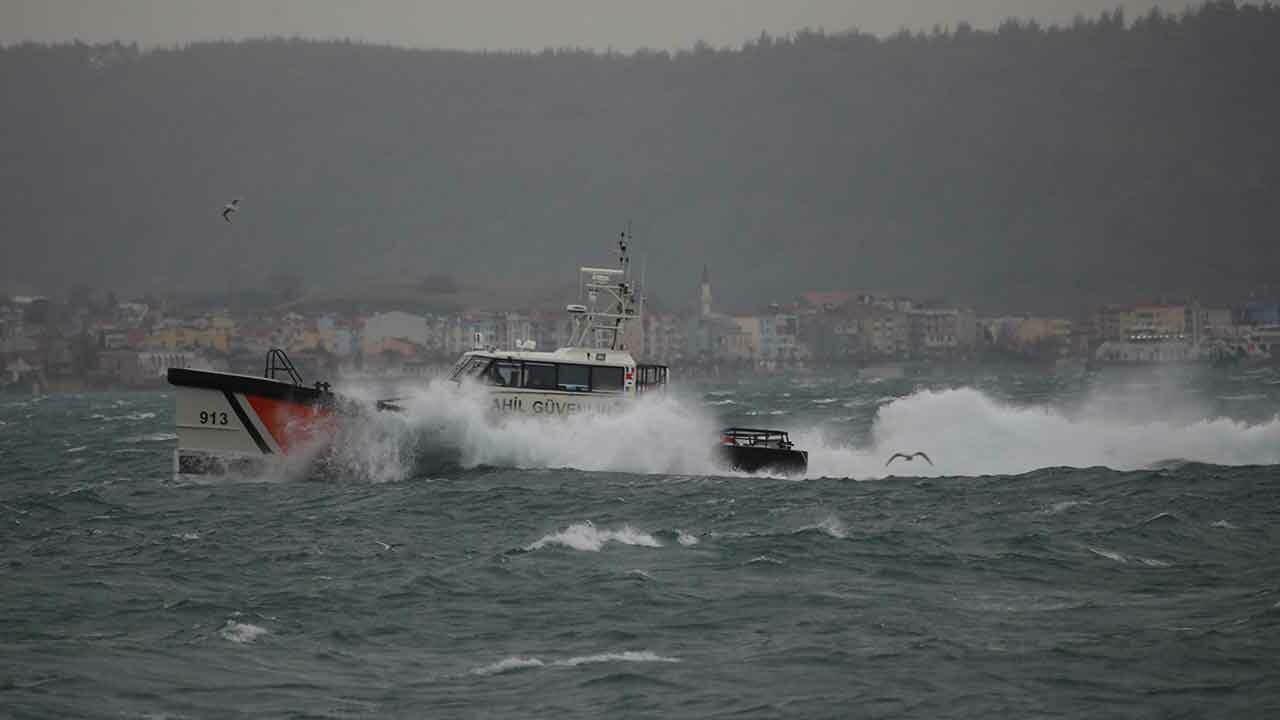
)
(278, 363)
(755, 437)
(651, 377)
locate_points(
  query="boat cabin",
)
(568, 370)
(750, 437)
(595, 373)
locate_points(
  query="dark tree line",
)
(1027, 167)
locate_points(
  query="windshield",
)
(470, 368)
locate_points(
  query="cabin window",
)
(505, 373)
(540, 376)
(471, 368)
(606, 379)
(574, 378)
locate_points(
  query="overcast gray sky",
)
(514, 24)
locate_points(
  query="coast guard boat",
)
(228, 422)
(595, 372)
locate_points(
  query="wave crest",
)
(586, 536)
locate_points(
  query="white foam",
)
(1109, 554)
(241, 633)
(832, 526)
(133, 416)
(586, 536)
(508, 665)
(149, 438)
(1064, 505)
(514, 663)
(966, 432)
(628, 656)
(77, 449)
(685, 538)
(658, 434)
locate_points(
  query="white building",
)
(942, 329)
(779, 339)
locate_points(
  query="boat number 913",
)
(212, 417)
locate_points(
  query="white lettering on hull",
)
(551, 406)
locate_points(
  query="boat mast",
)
(608, 302)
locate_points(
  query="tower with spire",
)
(706, 292)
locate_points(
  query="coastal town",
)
(93, 340)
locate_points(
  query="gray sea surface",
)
(1084, 546)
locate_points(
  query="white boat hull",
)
(229, 422)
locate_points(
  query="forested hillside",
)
(1030, 167)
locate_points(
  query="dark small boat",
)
(752, 450)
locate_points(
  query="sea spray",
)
(966, 432)
(443, 424)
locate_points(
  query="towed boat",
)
(753, 450)
(228, 422)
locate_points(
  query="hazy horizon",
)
(496, 25)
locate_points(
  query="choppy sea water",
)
(1083, 547)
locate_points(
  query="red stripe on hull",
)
(292, 424)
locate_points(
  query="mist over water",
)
(965, 430)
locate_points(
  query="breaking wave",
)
(964, 431)
(241, 633)
(586, 536)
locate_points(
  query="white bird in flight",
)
(908, 457)
(231, 209)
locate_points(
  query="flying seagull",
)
(908, 457)
(230, 209)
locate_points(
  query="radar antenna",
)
(606, 302)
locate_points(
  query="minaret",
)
(706, 292)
